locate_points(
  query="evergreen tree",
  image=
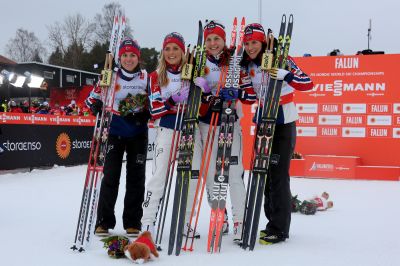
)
(56, 58)
(149, 59)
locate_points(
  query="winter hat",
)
(129, 45)
(176, 38)
(214, 27)
(254, 31)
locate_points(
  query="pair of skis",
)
(225, 141)
(262, 158)
(98, 150)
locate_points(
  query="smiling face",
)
(214, 44)
(253, 48)
(129, 61)
(172, 54)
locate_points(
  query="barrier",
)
(353, 110)
(33, 140)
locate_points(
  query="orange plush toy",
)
(142, 249)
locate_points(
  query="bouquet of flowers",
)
(115, 246)
(132, 104)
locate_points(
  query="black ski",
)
(263, 142)
(185, 155)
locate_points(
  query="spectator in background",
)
(44, 108)
(34, 106)
(56, 110)
(85, 111)
(25, 106)
(3, 106)
(72, 108)
(13, 108)
(335, 52)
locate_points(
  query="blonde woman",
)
(168, 96)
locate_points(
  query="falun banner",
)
(353, 109)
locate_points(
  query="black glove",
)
(96, 107)
(308, 207)
(216, 104)
(296, 203)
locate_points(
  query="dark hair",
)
(246, 58)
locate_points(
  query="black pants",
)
(277, 205)
(136, 151)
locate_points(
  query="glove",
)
(281, 74)
(96, 107)
(308, 207)
(202, 83)
(181, 96)
(296, 203)
(216, 103)
(229, 94)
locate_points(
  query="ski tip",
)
(235, 20)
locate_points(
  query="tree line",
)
(76, 42)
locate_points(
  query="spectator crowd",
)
(37, 107)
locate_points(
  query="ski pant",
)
(136, 152)
(236, 185)
(277, 205)
(156, 184)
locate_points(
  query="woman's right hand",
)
(202, 83)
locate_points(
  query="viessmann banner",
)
(353, 109)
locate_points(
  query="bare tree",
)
(73, 37)
(105, 21)
(25, 46)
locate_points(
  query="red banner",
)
(353, 109)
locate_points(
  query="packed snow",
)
(39, 211)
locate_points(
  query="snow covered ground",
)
(38, 214)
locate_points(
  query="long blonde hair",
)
(162, 69)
